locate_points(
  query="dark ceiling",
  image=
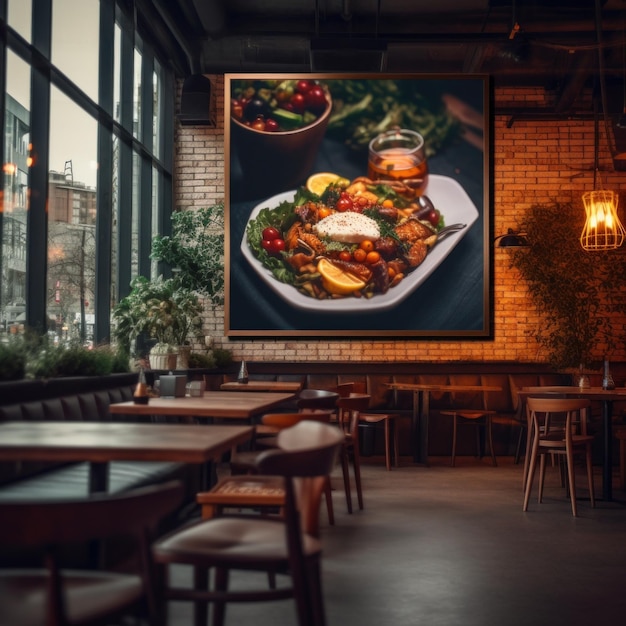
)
(569, 47)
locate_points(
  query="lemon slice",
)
(317, 183)
(336, 280)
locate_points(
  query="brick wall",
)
(533, 162)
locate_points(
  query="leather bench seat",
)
(24, 480)
(71, 481)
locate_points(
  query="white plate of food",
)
(447, 195)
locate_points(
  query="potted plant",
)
(162, 309)
(580, 295)
(195, 250)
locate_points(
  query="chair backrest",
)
(286, 420)
(562, 415)
(306, 455)
(343, 389)
(317, 400)
(349, 409)
(49, 524)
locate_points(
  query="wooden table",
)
(221, 404)
(101, 442)
(263, 385)
(421, 411)
(592, 393)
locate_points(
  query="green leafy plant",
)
(223, 357)
(163, 309)
(201, 359)
(195, 250)
(13, 355)
(50, 360)
(579, 294)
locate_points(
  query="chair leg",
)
(518, 447)
(356, 462)
(490, 437)
(396, 451)
(200, 583)
(219, 608)
(318, 612)
(527, 455)
(328, 495)
(530, 476)
(454, 427)
(345, 468)
(571, 481)
(387, 447)
(542, 477)
(592, 498)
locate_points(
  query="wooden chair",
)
(243, 490)
(317, 400)
(558, 426)
(375, 420)
(469, 410)
(307, 454)
(58, 597)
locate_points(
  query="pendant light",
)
(602, 230)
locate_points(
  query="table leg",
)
(98, 483)
(607, 467)
(98, 477)
(421, 400)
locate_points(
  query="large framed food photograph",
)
(357, 205)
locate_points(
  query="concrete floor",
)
(443, 546)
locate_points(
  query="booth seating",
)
(89, 401)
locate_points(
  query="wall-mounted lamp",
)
(512, 239)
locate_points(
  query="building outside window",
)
(83, 162)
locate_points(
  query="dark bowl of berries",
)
(277, 127)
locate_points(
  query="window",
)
(81, 162)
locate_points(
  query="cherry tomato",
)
(387, 203)
(236, 109)
(433, 217)
(277, 246)
(344, 203)
(258, 123)
(297, 102)
(323, 212)
(372, 257)
(367, 245)
(315, 99)
(359, 255)
(266, 244)
(304, 86)
(344, 255)
(271, 125)
(270, 233)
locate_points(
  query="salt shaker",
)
(607, 379)
(242, 377)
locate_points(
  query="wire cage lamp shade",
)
(602, 230)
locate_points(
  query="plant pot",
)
(163, 360)
(182, 362)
